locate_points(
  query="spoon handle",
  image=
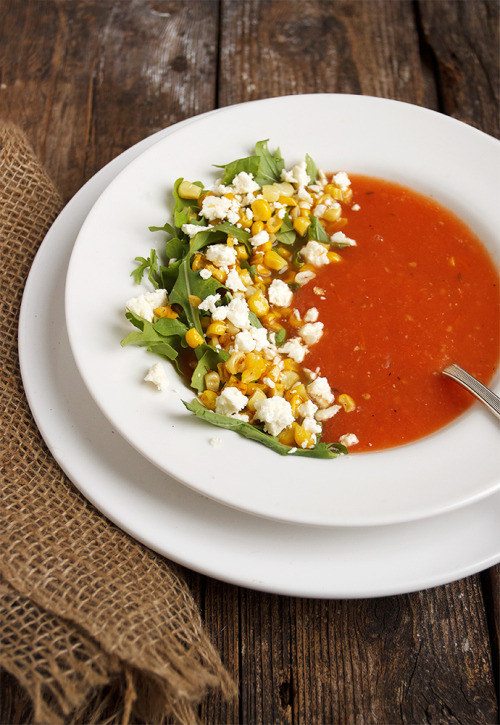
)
(482, 393)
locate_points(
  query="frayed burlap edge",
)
(95, 627)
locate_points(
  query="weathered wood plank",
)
(86, 80)
(464, 38)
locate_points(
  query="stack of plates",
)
(362, 525)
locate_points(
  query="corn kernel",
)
(212, 380)
(287, 200)
(261, 210)
(275, 261)
(197, 262)
(257, 226)
(236, 363)
(347, 403)
(218, 273)
(303, 438)
(332, 214)
(266, 246)
(194, 300)
(270, 192)
(216, 328)
(274, 224)
(287, 436)
(255, 366)
(256, 396)
(208, 398)
(301, 224)
(258, 304)
(187, 190)
(241, 252)
(193, 338)
(245, 222)
(286, 253)
(166, 311)
(334, 257)
(289, 378)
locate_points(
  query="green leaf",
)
(270, 165)
(190, 283)
(185, 210)
(168, 327)
(280, 337)
(254, 320)
(209, 357)
(286, 234)
(321, 450)
(250, 164)
(165, 228)
(316, 230)
(145, 263)
(176, 248)
(311, 169)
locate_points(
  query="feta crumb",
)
(221, 255)
(315, 253)
(355, 207)
(205, 273)
(320, 292)
(145, 305)
(208, 304)
(303, 278)
(244, 342)
(311, 315)
(280, 294)
(300, 175)
(234, 282)
(269, 382)
(292, 450)
(307, 409)
(319, 391)
(237, 313)
(349, 439)
(260, 238)
(342, 180)
(341, 238)
(294, 349)
(157, 376)
(311, 425)
(319, 210)
(230, 401)
(311, 332)
(192, 229)
(276, 414)
(215, 442)
(220, 207)
(243, 183)
(327, 413)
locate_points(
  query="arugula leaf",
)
(145, 263)
(241, 234)
(316, 230)
(286, 233)
(311, 169)
(280, 337)
(150, 338)
(321, 450)
(270, 165)
(190, 283)
(176, 248)
(250, 164)
(254, 320)
(165, 228)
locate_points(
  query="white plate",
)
(428, 151)
(195, 531)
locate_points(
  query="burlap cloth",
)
(95, 627)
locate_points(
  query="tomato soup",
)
(417, 292)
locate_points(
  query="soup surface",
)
(417, 292)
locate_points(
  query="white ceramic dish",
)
(189, 528)
(423, 149)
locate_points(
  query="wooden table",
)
(86, 80)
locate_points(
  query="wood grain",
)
(88, 79)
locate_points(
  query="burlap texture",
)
(94, 626)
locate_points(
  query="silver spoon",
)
(482, 393)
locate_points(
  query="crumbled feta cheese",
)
(303, 278)
(311, 425)
(208, 304)
(304, 195)
(320, 292)
(157, 376)
(220, 207)
(341, 238)
(269, 382)
(230, 401)
(276, 414)
(311, 332)
(192, 229)
(281, 213)
(234, 282)
(237, 313)
(243, 183)
(260, 238)
(315, 253)
(259, 335)
(311, 315)
(349, 439)
(319, 210)
(327, 413)
(145, 305)
(215, 442)
(244, 342)
(355, 207)
(205, 273)
(280, 294)
(319, 391)
(342, 180)
(292, 450)
(221, 255)
(300, 175)
(294, 349)
(307, 409)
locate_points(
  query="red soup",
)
(417, 292)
